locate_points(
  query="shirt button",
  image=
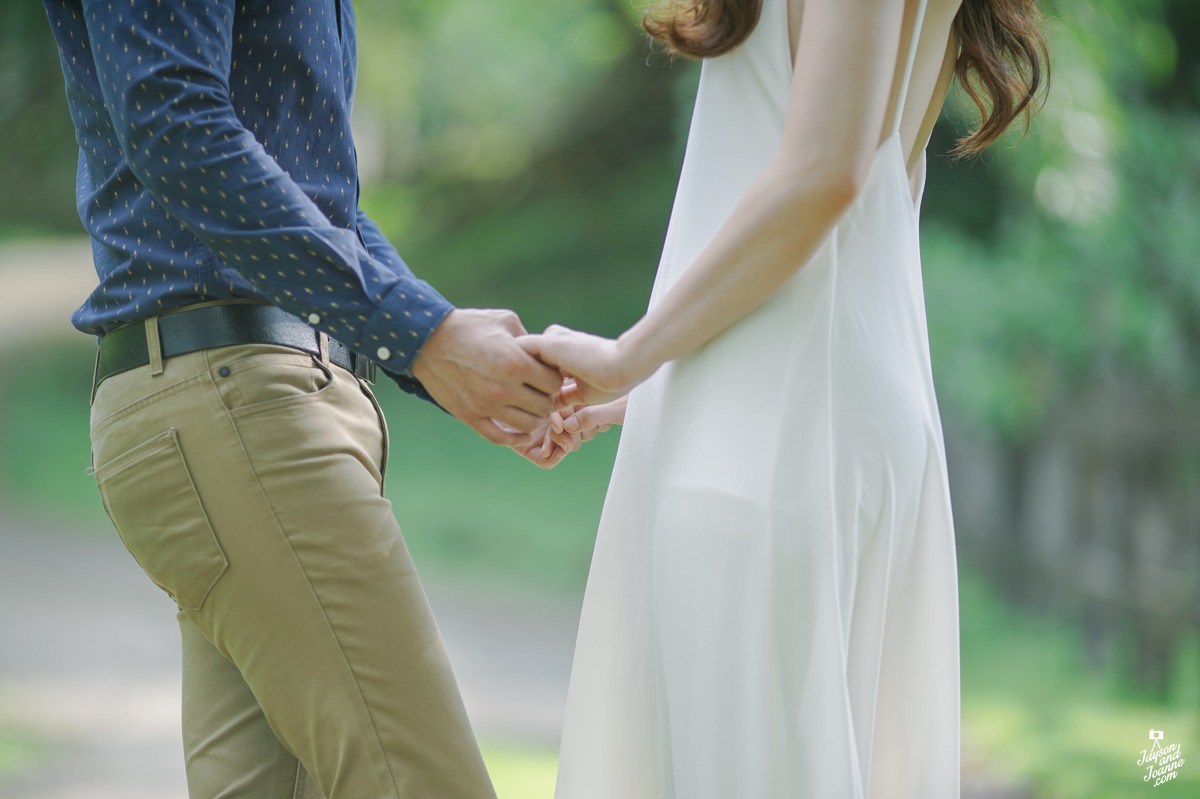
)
(383, 353)
(314, 319)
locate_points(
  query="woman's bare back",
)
(933, 73)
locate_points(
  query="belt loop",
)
(95, 376)
(154, 345)
(323, 347)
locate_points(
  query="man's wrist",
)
(419, 360)
(404, 322)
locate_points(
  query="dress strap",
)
(898, 114)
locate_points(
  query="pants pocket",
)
(149, 494)
(262, 378)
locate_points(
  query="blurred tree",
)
(37, 139)
(1064, 302)
(1086, 229)
(534, 185)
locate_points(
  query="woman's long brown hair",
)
(1003, 61)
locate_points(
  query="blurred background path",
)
(41, 283)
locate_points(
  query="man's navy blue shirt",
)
(216, 162)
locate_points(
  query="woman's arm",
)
(844, 73)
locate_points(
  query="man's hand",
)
(473, 367)
(539, 455)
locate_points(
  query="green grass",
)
(520, 772)
(1033, 712)
(17, 752)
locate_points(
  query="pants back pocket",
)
(149, 494)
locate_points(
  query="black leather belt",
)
(225, 325)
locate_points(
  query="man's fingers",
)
(556, 457)
(520, 420)
(541, 455)
(532, 401)
(511, 322)
(497, 434)
(532, 344)
(539, 376)
(571, 394)
(534, 456)
(538, 348)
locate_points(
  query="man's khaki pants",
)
(247, 482)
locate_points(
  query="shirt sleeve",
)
(163, 69)
(382, 250)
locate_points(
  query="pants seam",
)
(316, 597)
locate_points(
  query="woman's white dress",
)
(772, 607)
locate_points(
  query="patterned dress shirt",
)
(216, 162)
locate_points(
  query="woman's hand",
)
(572, 426)
(603, 370)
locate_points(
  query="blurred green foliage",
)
(1088, 271)
(524, 154)
(527, 169)
(37, 141)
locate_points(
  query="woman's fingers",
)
(577, 393)
(571, 442)
(542, 346)
(595, 416)
(592, 359)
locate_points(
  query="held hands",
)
(515, 389)
(598, 374)
(601, 367)
(474, 367)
